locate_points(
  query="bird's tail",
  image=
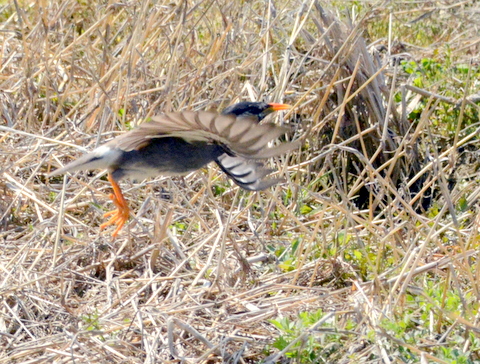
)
(100, 158)
(246, 173)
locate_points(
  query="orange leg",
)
(119, 216)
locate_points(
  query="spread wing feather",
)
(241, 136)
(247, 174)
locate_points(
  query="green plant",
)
(303, 345)
(91, 321)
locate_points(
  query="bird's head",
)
(256, 109)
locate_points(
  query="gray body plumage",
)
(161, 157)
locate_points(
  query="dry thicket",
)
(204, 266)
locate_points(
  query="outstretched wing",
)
(241, 136)
(248, 174)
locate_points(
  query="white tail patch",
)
(101, 158)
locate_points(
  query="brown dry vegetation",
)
(376, 225)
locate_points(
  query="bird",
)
(177, 143)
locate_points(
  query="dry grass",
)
(377, 217)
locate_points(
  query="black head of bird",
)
(181, 142)
(255, 109)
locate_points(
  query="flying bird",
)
(176, 143)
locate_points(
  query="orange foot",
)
(119, 216)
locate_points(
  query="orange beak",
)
(278, 107)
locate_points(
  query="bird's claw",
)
(120, 215)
